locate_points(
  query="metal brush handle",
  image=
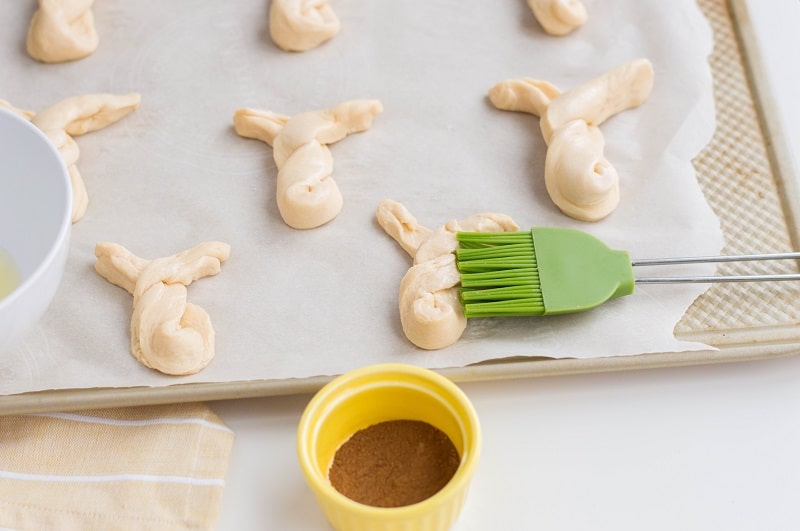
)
(716, 259)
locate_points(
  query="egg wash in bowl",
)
(9, 276)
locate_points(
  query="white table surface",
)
(705, 447)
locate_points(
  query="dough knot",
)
(579, 178)
(168, 333)
(307, 194)
(430, 310)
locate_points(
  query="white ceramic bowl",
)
(35, 223)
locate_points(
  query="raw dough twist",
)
(167, 333)
(430, 311)
(62, 30)
(579, 179)
(558, 17)
(299, 25)
(73, 117)
(307, 195)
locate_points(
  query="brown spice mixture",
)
(394, 463)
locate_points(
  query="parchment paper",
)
(294, 303)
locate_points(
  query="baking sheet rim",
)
(749, 348)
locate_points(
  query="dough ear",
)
(524, 95)
(595, 101)
(398, 223)
(81, 114)
(258, 124)
(22, 112)
(203, 260)
(118, 265)
(354, 116)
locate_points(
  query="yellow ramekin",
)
(379, 393)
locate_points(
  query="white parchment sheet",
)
(292, 303)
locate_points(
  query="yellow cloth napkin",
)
(154, 467)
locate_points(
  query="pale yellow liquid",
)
(9, 275)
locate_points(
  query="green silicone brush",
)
(550, 270)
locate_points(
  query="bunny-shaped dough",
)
(558, 17)
(579, 179)
(430, 311)
(62, 30)
(307, 195)
(75, 116)
(167, 333)
(299, 25)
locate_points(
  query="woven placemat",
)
(741, 185)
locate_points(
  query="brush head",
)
(538, 272)
(499, 274)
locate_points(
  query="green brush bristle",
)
(499, 274)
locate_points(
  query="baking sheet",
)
(298, 305)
